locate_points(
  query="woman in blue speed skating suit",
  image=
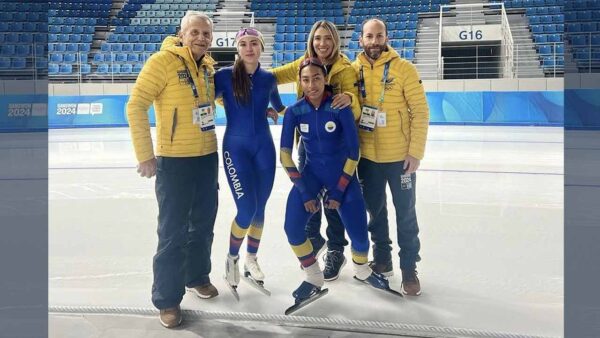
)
(248, 150)
(331, 143)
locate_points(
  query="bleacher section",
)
(23, 39)
(582, 34)
(71, 28)
(137, 30)
(547, 26)
(294, 21)
(401, 17)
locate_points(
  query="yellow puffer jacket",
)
(405, 105)
(342, 77)
(163, 82)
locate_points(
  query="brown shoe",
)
(170, 317)
(410, 283)
(205, 291)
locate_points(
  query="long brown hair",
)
(241, 82)
(335, 35)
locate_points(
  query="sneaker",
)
(384, 269)
(410, 283)
(170, 317)
(252, 268)
(318, 244)
(205, 291)
(334, 262)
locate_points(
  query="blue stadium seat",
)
(115, 68)
(138, 47)
(352, 45)
(137, 68)
(57, 58)
(85, 68)
(116, 47)
(102, 69)
(70, 58)
(53, 68)
(84, 47)
(545, 49)
(98, 58)
(278, 46)
(127, 47)
(133, 57)
(126, 69)
(65, 68)
(150, 47)
(288, 46)
(121, 57)
(145, 38)
(18, 63)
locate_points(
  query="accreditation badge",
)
(368, 118)
(206, 117)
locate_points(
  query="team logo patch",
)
(330, 126)
(183, 78)
(389, 83)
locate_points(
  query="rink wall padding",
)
(543, 108)
(23, 113)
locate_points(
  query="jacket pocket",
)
(173, 124)
(405, 125)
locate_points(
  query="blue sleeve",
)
(350, 135)
(285, 156)
(220, 78)
(275, 98)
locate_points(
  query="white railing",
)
(471, 9)
(508, 44)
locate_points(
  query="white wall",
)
(538, 84)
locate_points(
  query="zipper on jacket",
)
(174, 124)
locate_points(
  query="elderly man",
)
(393, 132)
(179, 81)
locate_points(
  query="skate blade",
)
(233, 289)
(305, 302)
(388, 290)
(258, 285)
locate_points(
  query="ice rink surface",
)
(489, 206)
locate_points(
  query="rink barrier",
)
(345, 325)
(531, 108)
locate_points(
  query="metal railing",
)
(471, 10)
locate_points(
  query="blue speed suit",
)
(248, 153)
(332, 150)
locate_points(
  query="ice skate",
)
(304, 295)
(232, 274)
(253, 275)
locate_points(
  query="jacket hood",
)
(173, 45)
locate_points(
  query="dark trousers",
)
(336, 239)
(374, 177)
(187, 194)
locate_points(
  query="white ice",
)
(489, 205)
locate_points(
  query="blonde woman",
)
(324, 45)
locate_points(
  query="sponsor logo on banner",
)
(96, 108)
(83, 109)
(66, 109)
(19, 109)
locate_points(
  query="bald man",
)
(392, 132)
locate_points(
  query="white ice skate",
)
(253, 275)
(232, 274)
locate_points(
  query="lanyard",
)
(193, 84)
(363, 90)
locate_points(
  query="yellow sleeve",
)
(414, 93)
(148, 86)
(347, 81)
(287, 73)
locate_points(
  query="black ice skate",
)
(379, 282)
(304, 295)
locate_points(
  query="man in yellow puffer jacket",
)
(392, 132)
(179, 81)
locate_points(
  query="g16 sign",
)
(223, 40)
(472, 33)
